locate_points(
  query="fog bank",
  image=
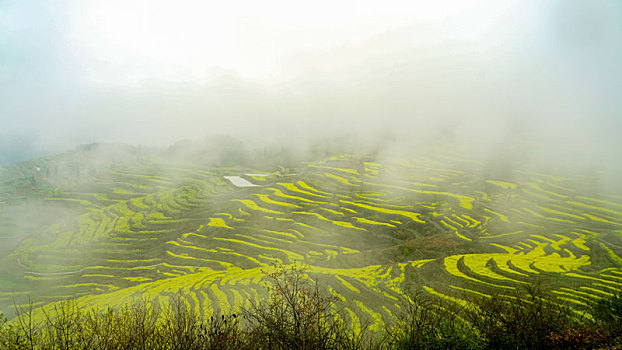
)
(543, 74)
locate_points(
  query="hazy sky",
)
(153, 72)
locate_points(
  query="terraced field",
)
(368, 230)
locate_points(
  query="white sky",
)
(153, 72)
(129, 41)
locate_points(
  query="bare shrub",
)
(297, 315)
(429, 322)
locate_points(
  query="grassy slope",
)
(142, 226)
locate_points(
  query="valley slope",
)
(369, 229)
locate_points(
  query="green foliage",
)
(5, 331)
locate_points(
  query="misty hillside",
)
(109, 223)
(182, 153)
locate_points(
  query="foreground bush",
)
(297, 315)
(431, 323)
(603, 332)
(141, 325)
(523, 319)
